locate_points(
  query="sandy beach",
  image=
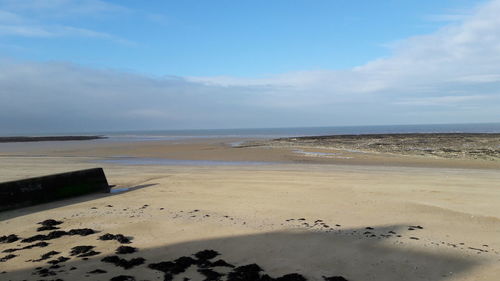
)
(317, 212)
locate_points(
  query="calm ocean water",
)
(301, 131)
(289, 132)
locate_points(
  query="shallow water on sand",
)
(177, 162)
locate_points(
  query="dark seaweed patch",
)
(9, 238)
(45, 272)
(127, 264)
(291, 277)
(7, 257)
(39, 244)
(58, 260)
(97, 271)
(248, 272)
(123, 278)
(49, 224)
(58, 234)
(206, 254)
(118, 237)
(80, 250)
(47, 256)
(222, 263)
(125, 250)
(210, 275)
(334, 278)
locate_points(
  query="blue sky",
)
(226, 64)
(240, 38)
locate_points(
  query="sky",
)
(94, 65)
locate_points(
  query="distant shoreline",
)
(49, 138)
(444, 145)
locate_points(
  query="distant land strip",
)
(49, 138)
(484, 146)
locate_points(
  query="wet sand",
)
(369, 217)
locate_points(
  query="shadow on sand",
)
(9, 214)
(348, 253)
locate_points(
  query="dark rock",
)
(125, 250)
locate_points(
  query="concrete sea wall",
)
(31, 191)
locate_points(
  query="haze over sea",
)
(286, 132)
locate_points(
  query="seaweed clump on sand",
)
(125, 250)
(334, 278)
(11, 238)
(39, 245)
(97, 271)
(47, 256)
(127, 264)
(118, 237)
(7, 257)
(123, 278)
(83, 251)
(58, 234)
(250, 272)
(49, 224)
(58, 260)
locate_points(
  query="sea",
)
(269, 133)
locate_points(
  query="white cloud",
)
(62, 8)
(467, 51)
(445, 100)
(42, 18)
(449, 76)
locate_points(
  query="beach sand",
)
(365, 216)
